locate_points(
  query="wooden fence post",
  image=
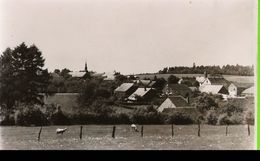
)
(39, 134)
(226, 129)
(80, 134)
(142, 131)
(198, 128)
(113, 132)
(248, 129)
(172, 131)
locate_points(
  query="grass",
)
(156, 137)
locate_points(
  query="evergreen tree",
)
(22, 76)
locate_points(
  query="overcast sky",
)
(132, 36)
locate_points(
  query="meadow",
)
(155, 137)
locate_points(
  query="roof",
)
(179, 87)
(219, 81)
(242, 85)
(139, 92)
(214, 89)
(179, 101)
(152, 83)
(250, 90)
(77, 74)
(124, 87)
(54, 75)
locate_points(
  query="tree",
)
(22, 76)
(173, 79)
(57, 71)
(204, 103)
(65, 73)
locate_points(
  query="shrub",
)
(179, 118)
(249, 117)
(211, 117)
(59, 118)
(28, 115)
(223, 119)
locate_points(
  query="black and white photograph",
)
(128, 74)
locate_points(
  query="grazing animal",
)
(134, 127)
(60, 131)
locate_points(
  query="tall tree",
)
(22, 76)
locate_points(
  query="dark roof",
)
(219, 81)
(179, 87)
(179, 101)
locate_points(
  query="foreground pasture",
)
(155, 137)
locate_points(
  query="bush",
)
(7, 120)
(30, 115)
(211, 117)
(223, 119)
(148, 115)
(250, 117)
(179, 118)
(59, 118)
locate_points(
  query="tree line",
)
(224, 70)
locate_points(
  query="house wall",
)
(232, 90)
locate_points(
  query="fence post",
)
(80, 134)
(198, 128)
(39, 134)
(113, 132)
(172, 131)
(226, 129)
(248, 129)
(142, 131)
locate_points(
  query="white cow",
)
(60, 131)
(134, 127)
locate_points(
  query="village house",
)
(214, 89)
(125, 90)
(235, 89)
(212, 80)
(145, 94)
(174, 102)
(177, 89)
(249, 92)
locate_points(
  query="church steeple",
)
(86, 67)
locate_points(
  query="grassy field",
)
(156, 137)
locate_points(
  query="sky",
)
(132, 36)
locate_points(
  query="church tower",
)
(86, 67)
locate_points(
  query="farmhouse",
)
(173, 102)
(145, 94)
(249, 92)
(177, 89)
(235, 89)
(214, 89)
(125, 90)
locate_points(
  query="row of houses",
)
(178, 95)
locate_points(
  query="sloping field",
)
(67, 101)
